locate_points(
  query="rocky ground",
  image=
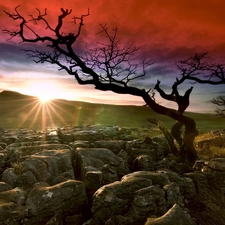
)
(97, 175)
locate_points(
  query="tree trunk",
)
(188, 152)
(176, 132)
(168, 136)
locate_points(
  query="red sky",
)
(165, 30)
(177, 23)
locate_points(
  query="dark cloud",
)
(12, 52)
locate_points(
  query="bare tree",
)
(198, 68)
(112, 67)
(220, 102)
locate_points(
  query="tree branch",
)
(116, 62)
(182, 101)
(219, 101)
(198, 69)
(166, 133)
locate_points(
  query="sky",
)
(164, 31)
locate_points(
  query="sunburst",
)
(44, 99)
(45, 110)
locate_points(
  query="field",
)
(19, 111)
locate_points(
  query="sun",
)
(46, 95)
(44, 99)
(44, 109)
(45, 91)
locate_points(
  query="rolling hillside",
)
(17, 110)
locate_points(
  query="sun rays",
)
(44, 113)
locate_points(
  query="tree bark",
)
(188, 151)
(176, 132)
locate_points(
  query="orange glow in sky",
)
(165, 31)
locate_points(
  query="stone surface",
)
(87, 135)
(176, 215)
(157, 178)
(51, 166)
(3, 161)
(115, 198)
(122, 180)
(99, 163)
(4, 186)
(16, 195)
(172, 194)
(44, 202)
(11, 213)
(143, 163)
(147, 201)
(216, 164)
(114, 146)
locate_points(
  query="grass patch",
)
(211, 149)
(211, 152)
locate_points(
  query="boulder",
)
(176, 215)
(65, 134)
(106, 132)
(16, 195)
(147, 201)
(214, 172)
(143, 163)
(137, 143)
(115, 198)
(48, 165)
(134, 154)
(118, 220)
(162, 144)
(45, 202)
(201, 181)
(18, 153)
(10, 177)
(163, 164)
(87, 135)
(51, 166)
(185, 184)
(3, 161)
(157, 178)
(20, 135)
(115, 146)
(172, 194)
(5, 187)
(26, 180)
(217, 164)
(80, 144)
(98, 166)
(11, 213)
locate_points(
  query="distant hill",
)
(12, 95)
(18, 110)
